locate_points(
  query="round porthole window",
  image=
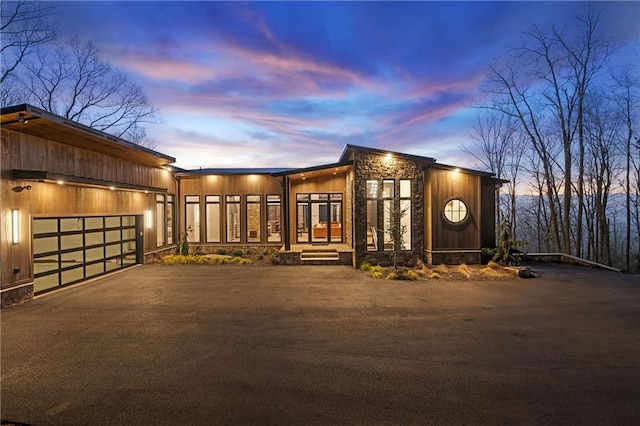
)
(455, 210)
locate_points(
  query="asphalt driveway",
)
(324, 345)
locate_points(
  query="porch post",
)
(287, 213)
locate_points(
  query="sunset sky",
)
(270, 84)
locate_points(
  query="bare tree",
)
(74, 82)
(498, 146)
(627, 96)
(544, 88)
(24, 25)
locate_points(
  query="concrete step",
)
(322, 255)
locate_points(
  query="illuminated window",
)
(192, 218)
(273, 218)
(455, 211)
(253, 218)
(405, 214)
(233, 218)
(213, 218)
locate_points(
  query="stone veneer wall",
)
(370, 166)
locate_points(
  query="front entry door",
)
(319, 218)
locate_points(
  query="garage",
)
(68, 250)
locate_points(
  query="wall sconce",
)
(21, 119)
(21, 188)
(147, 219)
(15, 226)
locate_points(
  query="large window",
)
(388, 213)
(171, 209)
(273, 218)
(160, 220)
(192, 218)
(253, 218)
(233, 218)
(396, 213)
(372, 215)
(405, 214)
(213, 218)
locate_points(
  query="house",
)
(78, 203)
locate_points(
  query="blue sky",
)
(268, 84)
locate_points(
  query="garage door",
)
(67, 250)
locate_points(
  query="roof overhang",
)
(350, 150)
(34, 121)
(44, 176)
(315, 171)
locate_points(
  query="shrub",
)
(410, 275)
(221, 251)
(240, 260)
(377, 274)
(434, 275)
(259, 257)
(198, 251)
(391, 276)
(465, 271)
(376, 269)
(365, 267)
(237, 253)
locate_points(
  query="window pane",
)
(44, 245)
(302, 197)
(372, 225)
(387, 189)
(95, 269)
(253, 198)
(112, 221)
(128, 220)
(273, 198)
(71, 224)
(192, 198)
(455, 211)
(70, 241)
(273, 222)
(160, 221)
(192, 222)
(405, 224)
(253, 221)
(44, 264)
(388, 224)
(372, 189)
(303, 223)
(212, 198)
(213, 222)
(112, 236)
(405, 189)
(170, 227)
(93, 222)
(233, 198)
(93, 238)
(233, 222)
(43, 226)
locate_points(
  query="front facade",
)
(77, 203)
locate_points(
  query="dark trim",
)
(42, 176)
(313, 168)
(347, 153)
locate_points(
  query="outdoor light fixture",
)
(147, 219)
(113, 188)
(60, 182)
(15, 223)
(21, 119)
(388, 158)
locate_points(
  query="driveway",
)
(281, 345)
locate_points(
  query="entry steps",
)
(320, 256)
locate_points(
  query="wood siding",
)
(222, 185)
(443, 185)
(45, 199)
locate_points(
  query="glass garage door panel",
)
(68, 250)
